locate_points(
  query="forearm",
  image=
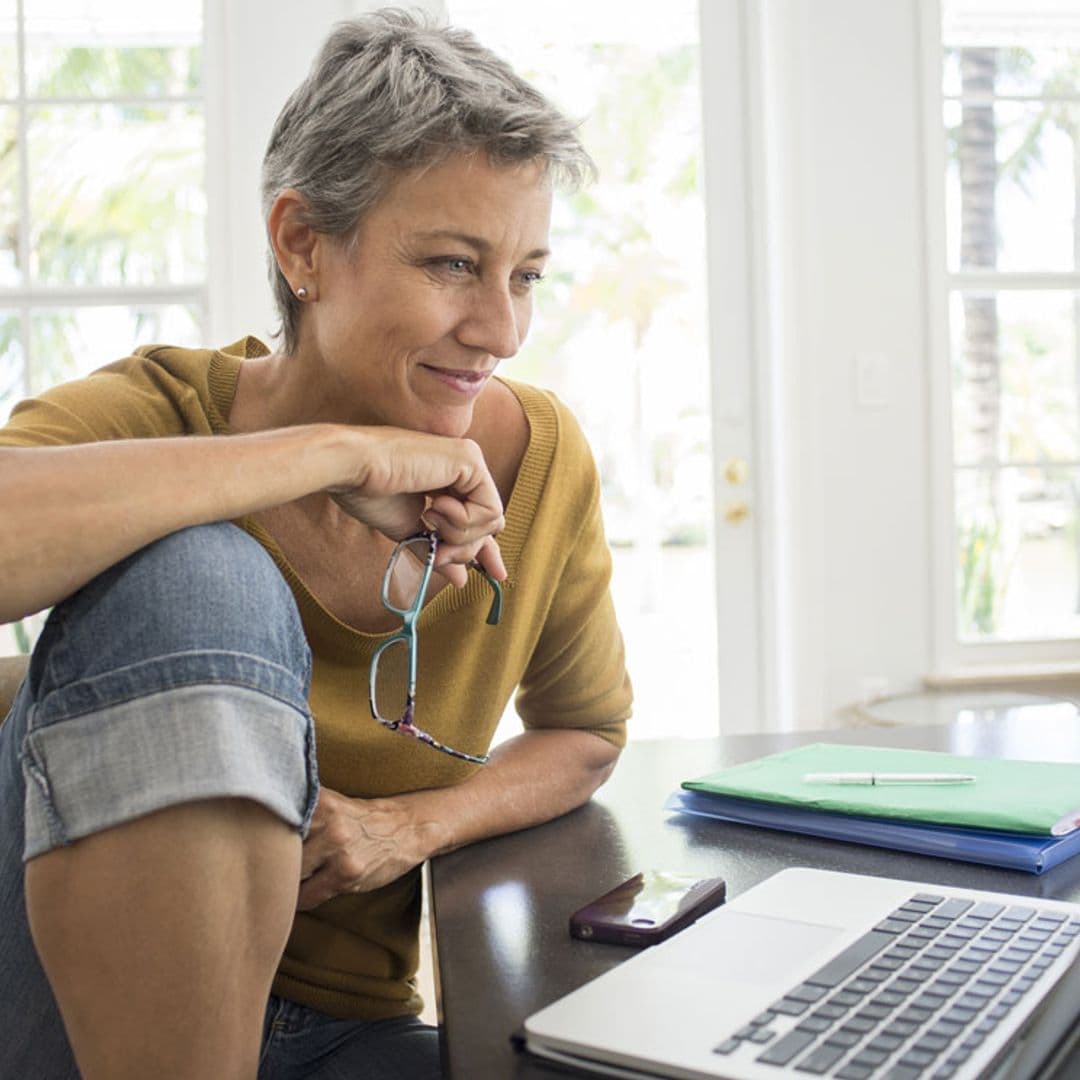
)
(356, 845)
(70, 512)
(530, 779)
(67, 513)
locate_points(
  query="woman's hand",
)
(356, 845)
(405, 481)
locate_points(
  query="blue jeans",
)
(179, 674)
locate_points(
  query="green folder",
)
(1014, 796)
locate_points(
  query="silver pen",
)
(873, 778)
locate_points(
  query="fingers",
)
(409, 476)
(316, 890)
(354, 845)
(490, 558)
(462, 522)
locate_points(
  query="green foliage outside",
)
(981, 578)
(1036, 396)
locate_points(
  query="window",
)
(102, 192)
(620, 329)
(102, 189)
(1011, 88)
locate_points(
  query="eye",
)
(530, 278)
(458, 264)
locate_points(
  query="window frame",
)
(953, 658)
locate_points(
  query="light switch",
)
(872, 380)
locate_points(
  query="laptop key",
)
(893, 925)
(903, 1072)
(953, 909)
(854, 1072)
(902, 1028)
(820, 1060)
(869, 1056)
(917, 1059)
(844, 1039)
(845, 998)
(851, 959)
(885, 1042)
(728, 1046)
(815, 1024)
(789, 1007)
(783, 1050)
(830, 1011)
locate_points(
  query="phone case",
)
(647, 908)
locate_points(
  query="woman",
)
(182, 865)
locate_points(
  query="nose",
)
(496, 322)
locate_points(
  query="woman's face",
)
(410, 323)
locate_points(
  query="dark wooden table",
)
(499, 909)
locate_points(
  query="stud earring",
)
(301, 293)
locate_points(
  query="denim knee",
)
(182, 672)
(209, 588)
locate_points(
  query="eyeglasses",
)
(403, 588)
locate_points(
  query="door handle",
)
(736, 512)
(736, 470)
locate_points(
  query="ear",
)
(295, 243)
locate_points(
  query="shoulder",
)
(158, 390)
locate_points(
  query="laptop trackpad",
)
(757, 948)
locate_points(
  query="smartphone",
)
(647, 908)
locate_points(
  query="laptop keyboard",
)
(913, 998)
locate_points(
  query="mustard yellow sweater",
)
(558, 645)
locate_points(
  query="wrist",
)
(427, 833)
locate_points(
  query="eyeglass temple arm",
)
(495, 613)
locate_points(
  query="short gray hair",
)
(392, 92)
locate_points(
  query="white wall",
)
(847, 225)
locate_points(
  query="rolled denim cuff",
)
(111, 764)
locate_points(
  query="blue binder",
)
(1015, 851)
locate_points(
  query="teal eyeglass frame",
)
(404, 725)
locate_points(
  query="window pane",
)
(9, 197)
(1018, 532)
(117, 195)
(12, 387)
(1016, 387)
(9, 57)
(1037, 69)
(66, 344)
(101, 48)
(1012, 203)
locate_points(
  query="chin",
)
(451, 424)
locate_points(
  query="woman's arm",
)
(69, 512)
(360, 844)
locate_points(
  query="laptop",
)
(819, 973)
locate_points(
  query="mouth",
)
(464, 380)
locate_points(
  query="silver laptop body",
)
(710, 1002)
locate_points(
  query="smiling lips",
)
(464, 381)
